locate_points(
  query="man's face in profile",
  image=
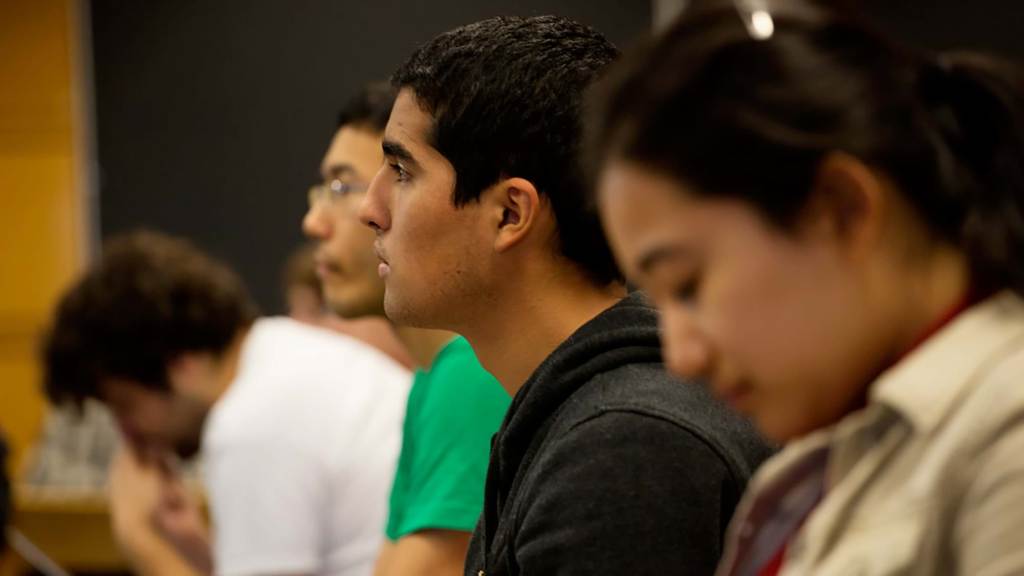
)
(155, 422)
(434, 256)
(345, 260)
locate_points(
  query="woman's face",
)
(774, 321)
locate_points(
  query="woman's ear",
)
(847, 205)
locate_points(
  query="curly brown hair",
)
(149, 298)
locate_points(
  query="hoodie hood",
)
(626, 333)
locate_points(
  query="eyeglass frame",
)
(328, 193)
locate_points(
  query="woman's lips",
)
(737, 396)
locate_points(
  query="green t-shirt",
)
(454, 409)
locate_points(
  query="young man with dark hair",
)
(299, 426)
(604, 464)
(454, 407)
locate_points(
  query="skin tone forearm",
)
(151, 555)
(424, 553)
(156, 523)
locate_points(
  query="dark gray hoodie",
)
(605, 464)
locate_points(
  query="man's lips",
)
(384, 268)
(326, 267)
(379, 251)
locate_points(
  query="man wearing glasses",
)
(454, 406)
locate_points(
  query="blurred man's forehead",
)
(122, 391)
(354, 149)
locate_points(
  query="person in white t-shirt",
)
(299, 426)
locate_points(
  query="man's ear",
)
(516, 206)
(848, 205)
(186, 373)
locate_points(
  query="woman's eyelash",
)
(687, 291)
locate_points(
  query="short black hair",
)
(149, 298)
(712, 105)
(370, 107)
(506, 96)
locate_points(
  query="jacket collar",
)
(926, 385)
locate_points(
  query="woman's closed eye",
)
(685, 292)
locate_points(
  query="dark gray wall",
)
(991, 25)
(212, 115)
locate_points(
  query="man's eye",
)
(399, 171)
(339, 188)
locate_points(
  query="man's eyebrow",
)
(338, 170)
(395, 150)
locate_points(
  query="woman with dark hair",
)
(832, 225)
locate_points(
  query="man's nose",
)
(373, 210)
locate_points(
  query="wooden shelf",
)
(72, 527)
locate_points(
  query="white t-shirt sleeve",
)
(267, 501)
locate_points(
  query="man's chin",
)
(353, 309)
(401, 313)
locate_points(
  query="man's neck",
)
(423, 344)
(532, 321)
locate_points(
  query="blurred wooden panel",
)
(39, 237)
(35, 73)
(41, 219)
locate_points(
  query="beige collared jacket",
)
(927, 479)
